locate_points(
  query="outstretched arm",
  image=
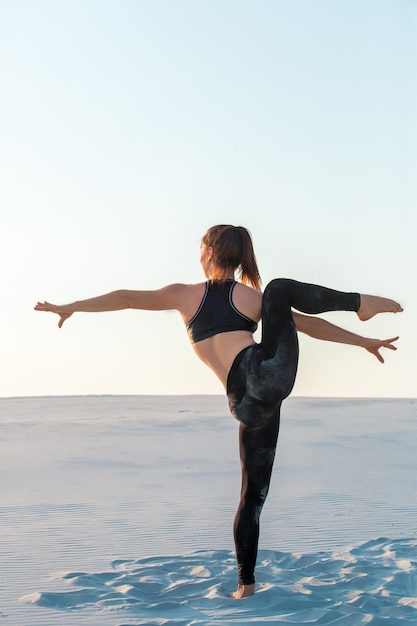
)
(170, 297)
(322, 329)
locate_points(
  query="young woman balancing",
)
(221, 316)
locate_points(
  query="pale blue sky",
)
(130, 127)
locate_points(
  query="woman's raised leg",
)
(372, 305)
(282, 294)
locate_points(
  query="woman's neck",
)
(221, 275)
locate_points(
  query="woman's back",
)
(219, 349)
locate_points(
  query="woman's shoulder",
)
(184, 289)
(247, 291)
(248, 300)
(188, 297)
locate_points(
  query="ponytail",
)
(233, 251)
(249, 272)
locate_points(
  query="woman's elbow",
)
(123, 298)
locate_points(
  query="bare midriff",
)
(219, 352)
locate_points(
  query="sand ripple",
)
(373, 583)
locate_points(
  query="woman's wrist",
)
(68, 308)
(364, 342)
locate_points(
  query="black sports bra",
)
(217, 313)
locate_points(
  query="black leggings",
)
(261, 376)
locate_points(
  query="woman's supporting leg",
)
(257, 453)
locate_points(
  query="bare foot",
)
(371, 305)
(243, 591)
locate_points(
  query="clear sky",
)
(128, 127)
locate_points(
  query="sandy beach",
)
(118, 511)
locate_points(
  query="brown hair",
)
(233, 251)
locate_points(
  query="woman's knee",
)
(278, 293)
(278, 284)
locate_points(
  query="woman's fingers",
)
(62, 318)
(377, 344)
(378, 356)
(44, 306)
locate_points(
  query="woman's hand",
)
(374, 345)
(53, 308)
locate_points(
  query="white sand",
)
(118, 511)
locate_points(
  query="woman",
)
(221, 316)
